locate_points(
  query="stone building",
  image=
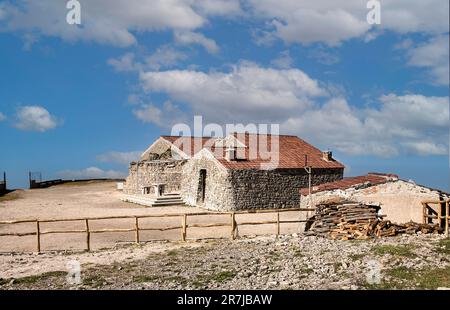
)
(239, 171)
(400, 200)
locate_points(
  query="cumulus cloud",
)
(125, 63)
(284, 60)
(410, 123)
(189, 37)
(123, 158)
(298, 21)
(247, 89)
(323, 56)
(304, 21)
(426, 148)
(303, 106)
(164, 57)
(218, 7)
(2, 117)
(433, 55)
(112, 21)
(165, 117)
(91, 173)
(35, 118)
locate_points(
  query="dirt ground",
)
(264, 262)
(98, 199)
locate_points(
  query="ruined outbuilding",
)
(400, 200)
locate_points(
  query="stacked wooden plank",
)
(351, 220)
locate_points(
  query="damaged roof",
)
(369, 179)
(258, 151)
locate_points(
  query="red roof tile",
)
(345, 183)
(291, 154)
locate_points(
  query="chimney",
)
(328, 155)
(230, 154)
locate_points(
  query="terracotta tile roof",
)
(189, 145)
(292, 151)
(371, 178)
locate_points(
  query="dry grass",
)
(14, 195)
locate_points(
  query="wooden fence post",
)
(38, 237)
(233, 225)
(278, 224)
(447, 216)
(88, 236)
(424, 213)
(183, 227)
(136, 226)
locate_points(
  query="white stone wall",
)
(147, 173)
(218, 195)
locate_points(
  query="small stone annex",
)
(400, 201)
(236, 172)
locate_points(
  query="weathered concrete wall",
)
(257, 189)
(218, 194)
(400, 201)
(146, 173)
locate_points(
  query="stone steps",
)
(152, 201)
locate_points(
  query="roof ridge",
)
(258, 134)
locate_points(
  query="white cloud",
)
(218, 7)
(104, 21)
(335, 21)
(112, 22)
(323, 56)
(246, 90)
(35, 118)
(2, 117)
(91, 173)
(410, 123)
(164, 57)
(189, 37)
(149, 114)
(284, 61)
(125, 63)
(426, 148)
(134, 99)
(123, 158)
(165, 117)
(396, 124)
(433, 55)
(116, 22)
(405, 44)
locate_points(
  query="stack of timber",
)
(352, 220)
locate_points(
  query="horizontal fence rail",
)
(183, 227)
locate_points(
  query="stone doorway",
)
(202, 186)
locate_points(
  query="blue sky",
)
(82, 101)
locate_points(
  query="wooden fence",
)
(183, 227)
(442, 214)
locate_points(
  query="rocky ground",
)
(289, 262)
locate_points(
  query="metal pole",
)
(310, 197)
